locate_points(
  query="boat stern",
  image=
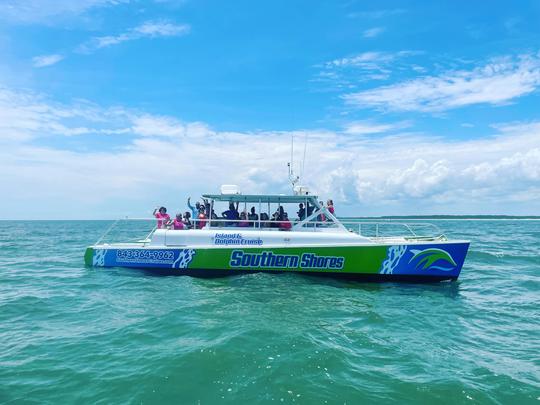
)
(89, 256)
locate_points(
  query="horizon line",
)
(386, 217)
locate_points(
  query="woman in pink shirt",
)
(330, 206)
(178, 223)
(243, 220)
(162, 217)
(321, 217)
(284, 223)
(201, 218)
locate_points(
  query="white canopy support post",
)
(210, 213)
(259, 216)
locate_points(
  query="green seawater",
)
(71, 334)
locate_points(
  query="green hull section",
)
(355, 260)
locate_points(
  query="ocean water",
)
(71, 334)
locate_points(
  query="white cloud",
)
(167, 127)
(148, 125)
(373, 32)
(498, 82)
(161, 29)
(26, 115)
(518, 167)
(518, 127)
(370, 127)
(149, 29)
(365, 59)
(157, 159)
(23, 114)
(46, 60)
(420, 180)
(365, 66)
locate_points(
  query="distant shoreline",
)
(452, 217)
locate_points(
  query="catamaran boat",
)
(318, 243)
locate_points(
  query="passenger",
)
(177, 223)
(274, 223)
(265, 220)
(244, 223)
(231, 215)
(330, 206)
(206, 207)
(194, 210)
(277, 217)
(285, 224)
(301, 212)
(162, 217)
(187, 220)
(252, 216)
(310, 209)
(321, 217)
(214, 216)
(201, 218)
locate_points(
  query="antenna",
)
(304, 159)
(292, 149)
(292, 178)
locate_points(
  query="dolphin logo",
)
(427, 257)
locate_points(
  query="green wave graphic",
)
(427, 257)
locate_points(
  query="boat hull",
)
(425, 261)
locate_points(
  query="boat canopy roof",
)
(264, 198)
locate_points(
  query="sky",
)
(109, 108)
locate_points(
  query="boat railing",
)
(124, 230)
(390, 228)
(128, 230)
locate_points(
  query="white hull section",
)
(237, 237)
